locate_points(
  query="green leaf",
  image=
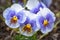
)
(22, 37)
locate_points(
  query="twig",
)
(9, 36)
(56, 23)
(42, 36)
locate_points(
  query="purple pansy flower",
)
(14, 15)
(29, 27)
(46, 20)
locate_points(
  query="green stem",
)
(24, 1)
(43, 36)
(56, 24)
(2, 18)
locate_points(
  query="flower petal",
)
(40, 21)
(34, 25)
(50, 18)
(30, 15)
(22, 17)
(16, 7)
(50, 27)
(36, 9)
(8, 13)
(47, 29)
(5, 12)
(42, 28)
(8, 23)
(45, 11)
(31, 4)
(25, 33)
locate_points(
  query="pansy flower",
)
(34, 5)
(29, 27)
(14, 15)
(46, 19)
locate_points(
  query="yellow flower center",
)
(14, 19)
(45, 23)
(27, 28)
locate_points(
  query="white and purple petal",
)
(21, 16)
(47, 29)
(8, 23)
(30, 15)
(34, 25)
(50, 18)
(45, 11)
(25, 33)
(17, 7)
(36, 9)
(5, 13)
(8, 13)
(31, 4)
